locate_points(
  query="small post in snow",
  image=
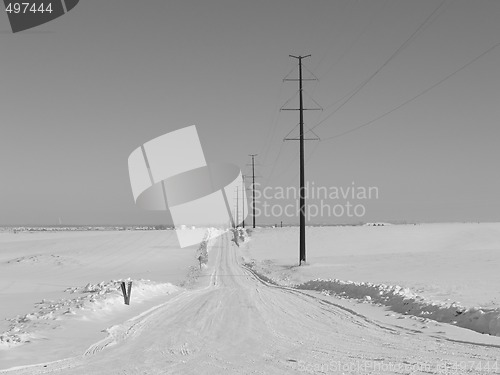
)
(126, 292)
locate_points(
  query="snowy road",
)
(236, 324)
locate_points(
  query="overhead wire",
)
(295, 155)
(271, 133)
(351, 45)
(275, 162)
(416, 96)
(336, 24)
(345, 99)
(394, 55)
(272, 129)
(306, 161)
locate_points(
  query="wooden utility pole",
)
(302, 188)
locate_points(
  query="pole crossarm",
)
(301, 139)
(317, 138)
(303, 109)
(296, 80)
(305, 139)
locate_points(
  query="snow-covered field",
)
(59, 290)
(391, 299)
(446, 272)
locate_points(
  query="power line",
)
(295, 155)
(356, 40)
(344, 18)
(275, 161)
(396, 53)
(416, 96)
(253, 188)
(336, 61)
(278, 155)
(291, 160)
(272, 129)
(307, 160)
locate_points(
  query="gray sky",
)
(79, 94)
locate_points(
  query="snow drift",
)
(92, 301)
(404, 301)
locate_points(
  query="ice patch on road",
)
(404, 301)
(92, 301)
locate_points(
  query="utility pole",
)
(302, 189)
(243, 200)
(237, 208)
(253, 188)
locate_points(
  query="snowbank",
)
(240, 235)
(92, 301)
(205, 245)
(403, 300)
